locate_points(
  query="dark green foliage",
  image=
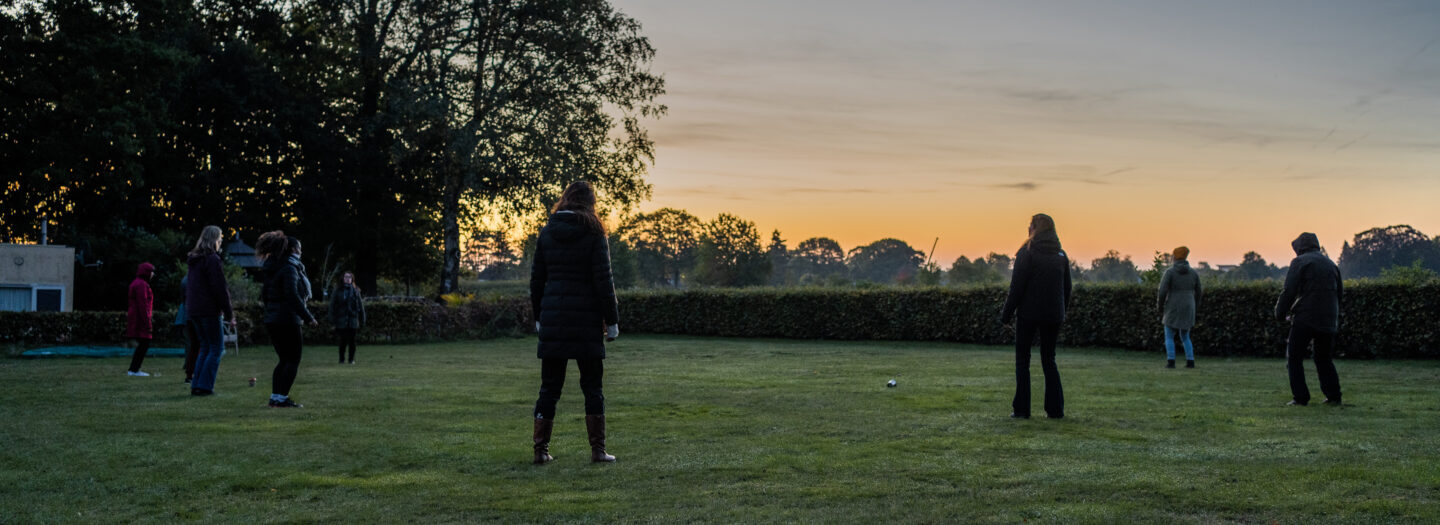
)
(729, 254)
(885, 261)
(1112, 269)
(1374, 250)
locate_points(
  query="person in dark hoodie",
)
(1311, 302)
(347, 314)
(285, 290)
(207, 305)
(572, 293)
(1039, 294)
(1179, 297)
(139, 323)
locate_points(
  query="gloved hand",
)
(537, 327)
(612, 332)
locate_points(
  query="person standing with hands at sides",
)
(572, 294)
(1179, 297)
(207, 305)
(1039, 294)
(285, 290)
(1311, 302)
(347, 314)
(139, 323)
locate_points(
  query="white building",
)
(37, 278)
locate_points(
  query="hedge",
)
(1378, 320)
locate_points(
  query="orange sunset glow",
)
(1224, 126)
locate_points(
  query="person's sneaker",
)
(352, 361)
(187, 380)
(136, 374)
(1296, 403)
(201, 392)
(1170, 363)
(288, 403)
(1190, 364)
(1334, 403)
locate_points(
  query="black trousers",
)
(1301, 337)
(142, 347)
(192, 349)
(1025, 332)
(287, 341)
(552, 380)
(347, 340)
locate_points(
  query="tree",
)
(885, 261)
(624, 262)
(1162, 261)
(1113, 269)
(729, 254)
(1253, 268)
(1410, 275)
(779, 257)
(1374, 250)
(964, 271)
(664, 241)
(818, 258)
(532, 96)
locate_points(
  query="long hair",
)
(271, 244)
(579, 197)
(208, 243)
(1039, 223)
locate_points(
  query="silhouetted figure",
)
(207, 305)
(1039, 294)
(1179, 296)
(347, 314)
(572, 294)
(285, 291)
(1311, 302)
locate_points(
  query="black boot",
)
(1169, 363)
(1190, 363)
(542, 440)
(595, 426)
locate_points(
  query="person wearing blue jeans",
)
(207, 359)
(1179, 297)
(207, 304)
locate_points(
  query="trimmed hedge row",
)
(1378, 320)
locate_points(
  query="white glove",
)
(537, 327)
(611, 332)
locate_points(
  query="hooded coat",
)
(1179, 296)
(1313, 288)
(1040, 285)
(138, 321)
(347, 309)
(285, 291)
(572, 292)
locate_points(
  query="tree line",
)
(672, 248)
(375, 130)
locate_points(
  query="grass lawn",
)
(719, 430)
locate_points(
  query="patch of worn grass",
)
(718, 430)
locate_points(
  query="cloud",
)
(1022, 186)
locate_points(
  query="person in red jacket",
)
(138, 320)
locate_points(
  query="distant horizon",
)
(1226, 127)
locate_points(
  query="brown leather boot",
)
(542, 440)
(595, 425)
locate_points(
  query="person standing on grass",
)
(285, 290)
(572, 294)
(139, 323)
(347, 314)
(1039, 294)
(1179, 296)
(192, 341)
(207, 305)
(1311, 302)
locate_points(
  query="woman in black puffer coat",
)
(1039, 294)
(573, 297)
(285, 291)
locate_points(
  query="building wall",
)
(48, 265)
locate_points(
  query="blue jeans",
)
(1170, 344)
(207, 361)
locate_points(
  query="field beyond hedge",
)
(718, 430)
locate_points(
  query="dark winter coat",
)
(1313, 288)
(1040, 284)
(142, 303)
(571, 289)
(206, 294)
(285, 291)
(347, 309)
(1179, 296)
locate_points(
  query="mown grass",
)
(718, 430)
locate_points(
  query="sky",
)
(1139, 126)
